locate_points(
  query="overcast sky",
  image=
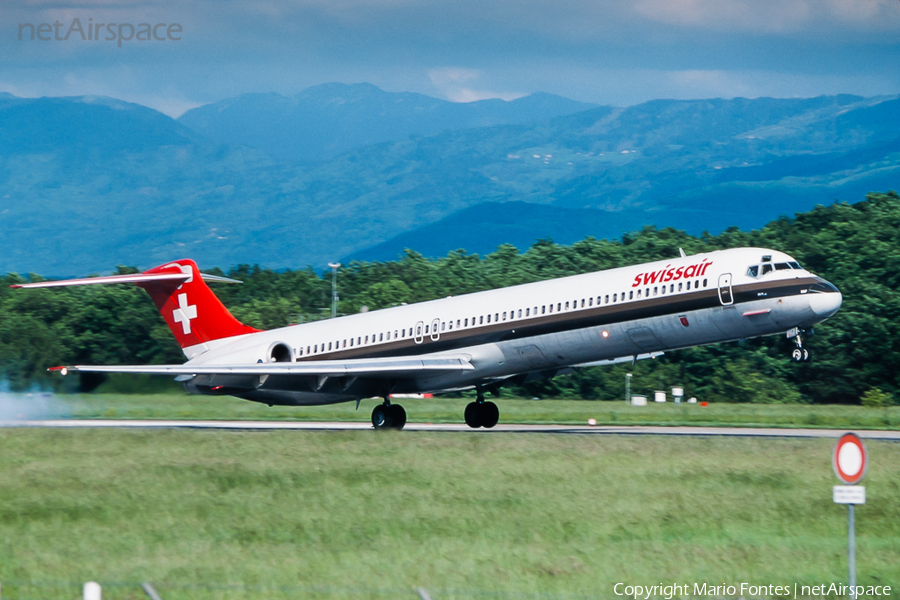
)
(617, 52)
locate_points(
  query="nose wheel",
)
(481, 413)
(388, 416)
(799, 353)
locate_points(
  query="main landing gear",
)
(799, 353)
(388, 416)
(481, 413)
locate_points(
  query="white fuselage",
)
(538, 329)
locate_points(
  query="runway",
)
(450, 427)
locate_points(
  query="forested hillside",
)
(85, 179)
(857, 247)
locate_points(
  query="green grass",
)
(512, 410)
(208, 515)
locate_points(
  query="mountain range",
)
(326, 120)
(354, 172)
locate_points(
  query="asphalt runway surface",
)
(450, 427)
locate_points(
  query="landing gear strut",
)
(388, 416)
(799, 353)
(481, 413)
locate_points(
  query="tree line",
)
(855, 246)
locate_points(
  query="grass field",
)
(206, 515)
(450, 410)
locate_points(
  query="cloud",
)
(604, 51)
(452, 83)
(772, 16)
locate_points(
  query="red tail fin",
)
(190, 308)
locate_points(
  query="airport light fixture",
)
(627, 387)
(334, 294)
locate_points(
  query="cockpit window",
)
(768, 267)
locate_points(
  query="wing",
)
(360, 367)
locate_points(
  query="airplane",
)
(481, 340)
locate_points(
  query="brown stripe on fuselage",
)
(632, 310)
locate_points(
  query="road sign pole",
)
(850, 461)
(851, 542)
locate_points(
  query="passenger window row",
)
(530, 312)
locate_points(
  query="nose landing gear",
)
(481, 413)
(799, 353)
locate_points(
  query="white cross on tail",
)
(184, 313)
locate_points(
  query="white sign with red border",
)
(850, 459)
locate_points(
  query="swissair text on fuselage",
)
(669, 273)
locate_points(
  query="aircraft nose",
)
(825, 304)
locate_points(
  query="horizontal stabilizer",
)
(131, 278)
